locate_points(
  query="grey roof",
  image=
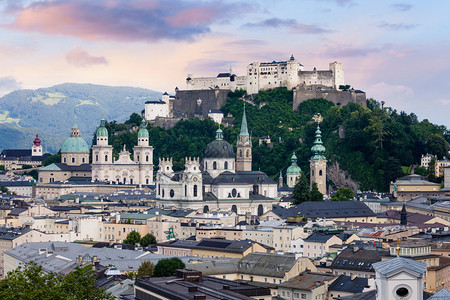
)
(80, 168)
(331, 209)
(17, 183)
(17, 211)
(235, 246)
(355, 258)
(318, 237)
(215, 266)
(12, 233)
(307, 281)
(442, 294)
(63, 257)
(269, 264)
(370, 295)
(347, 284)
(394, 265)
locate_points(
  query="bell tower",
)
(244, 147)
(318, 162)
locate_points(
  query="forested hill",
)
(51, 111)
(379, 140)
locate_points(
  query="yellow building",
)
(407, 187)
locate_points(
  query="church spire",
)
(244, 129)
(318, 150)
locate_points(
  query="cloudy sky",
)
(398, 52)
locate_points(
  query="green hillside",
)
(378, 142)
(51, 111)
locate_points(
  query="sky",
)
(396, 51)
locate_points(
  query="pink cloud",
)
(80, 58)
(122, 20)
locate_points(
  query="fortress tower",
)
(318, 163)
(244, 148)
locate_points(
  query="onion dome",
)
(102, 131)
(143, 132)
(219, 148)
(75, 143)
(37, 141)
(293, 169)
(318, 150)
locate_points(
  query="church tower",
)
(318, 163)
(36, 149)
(143, 155)
(244, 147)
(192, 180)
(293, 172)
(102, 154)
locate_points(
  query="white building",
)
(270, 75)
(425, 160)
(158, 108)
(216, 115)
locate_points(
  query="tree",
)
(167, 266)
(421, 171)
(343, 194)
(315, 195)
(4, 189)
(145, 269)
(301, 192)
(31, 282)
(148, 239)
(53, 158)
(133, 238)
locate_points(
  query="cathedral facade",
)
(124, 170)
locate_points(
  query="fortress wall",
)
(337, 97)
(187, 103)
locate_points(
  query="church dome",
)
(102, 131)
(293, 169)
(219, 148)
(75, 144)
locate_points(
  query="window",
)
(214, 166)
(146, 158)
(195, 190)
(225, 165)
(320, 173)
(73, 159)
(96, 158)
(247, 154)
(106, 157)
(172, 193)
(185, 190)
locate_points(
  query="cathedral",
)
(221, 181)
(138, 171)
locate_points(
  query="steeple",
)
(404, 216)
(244, 129)
(318, 162)
(244, 147)
(219, 134)
(75, 131)
(318, 150)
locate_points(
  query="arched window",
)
(233, 192)
(82, 159)
(172, 193)
(131, 180)
(163, 193)
(234, 208)
(185, 190)
(206, 165)
(214, 166)
(146, 158)
(138, 158)
(64, 160)
(159, 189)
(320, 173)
(225, 166)
(106, 157)
(195, 190)
(146, 181)
(96, 157)
(240, 153)
(73, 159)
(247, 154)
(260, 210)
(205, 209)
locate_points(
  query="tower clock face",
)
(195, 179)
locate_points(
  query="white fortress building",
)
(270, 75)
(158, 108)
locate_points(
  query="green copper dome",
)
(75, 143)
(318, 150)
(143, 132)
(293, 169)
(102, 131)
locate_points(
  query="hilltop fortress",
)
(205, 94)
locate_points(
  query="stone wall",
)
(335, 96)
(191, 103)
